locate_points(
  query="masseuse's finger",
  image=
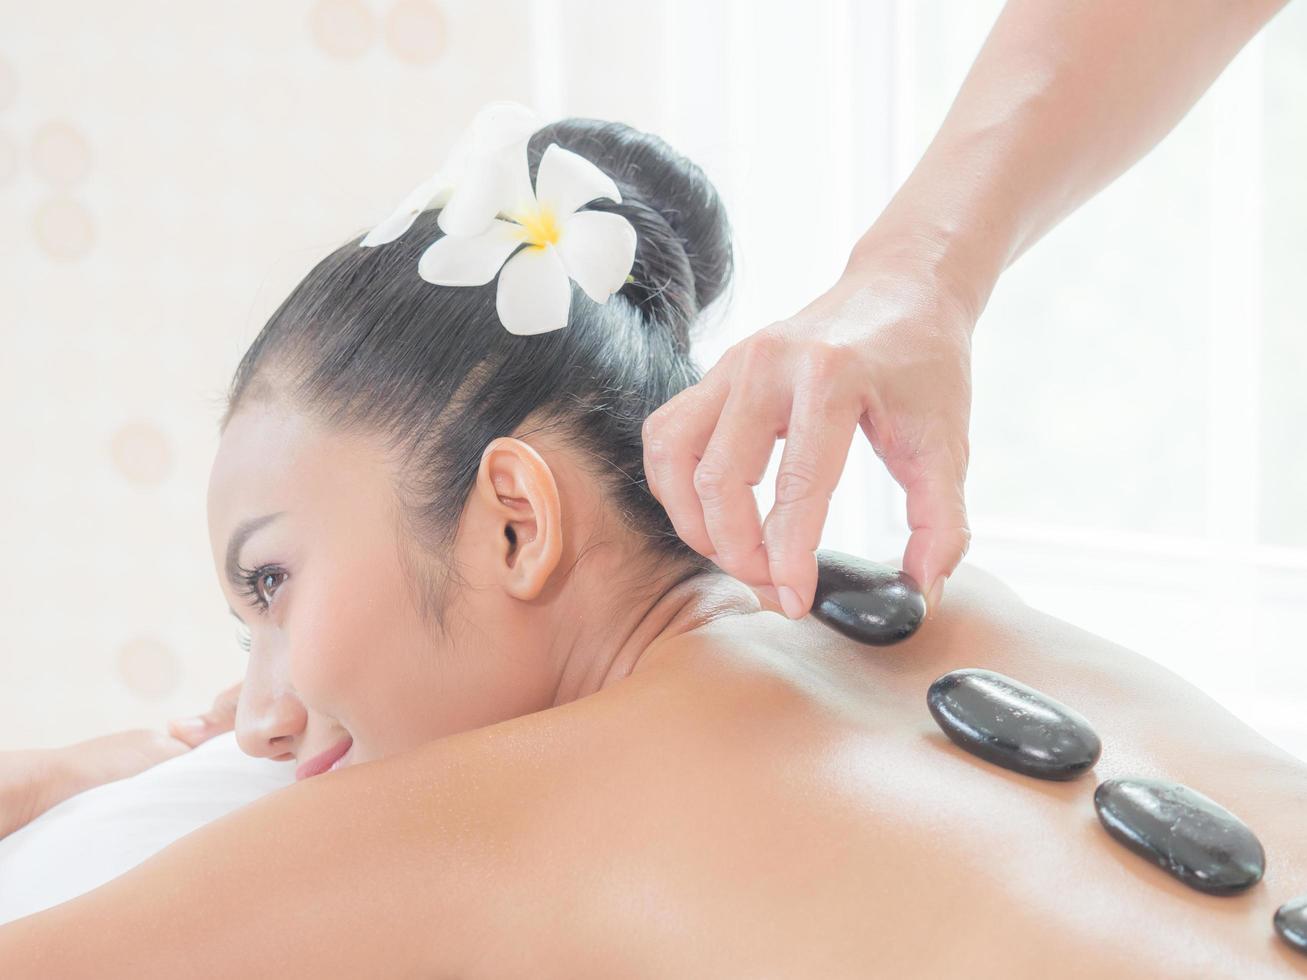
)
(675, 435)
(218, 719)
(735, 461)
(817, 443)
(937, 514)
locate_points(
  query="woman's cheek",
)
(322, 660)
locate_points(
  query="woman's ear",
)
(519, 489)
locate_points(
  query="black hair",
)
(363, 343)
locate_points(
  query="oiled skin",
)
(760, 798)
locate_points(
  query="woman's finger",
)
(816, 448)
(163, 747)
(223, 712)
(218, 719)
(674, 439)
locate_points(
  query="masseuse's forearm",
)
(1063, 97)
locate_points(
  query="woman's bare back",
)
(760, 798)
(791, 809)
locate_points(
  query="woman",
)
(565, 744)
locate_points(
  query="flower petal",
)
(430, 193)
(456, 160)
(474, 203)
(598, 250)
(495, 127)
(502, 124)
(515, 173)
(534, 292)
(492, 183)
(490, 160)
(456, 260)
(566, 180)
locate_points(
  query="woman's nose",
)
(268, 721)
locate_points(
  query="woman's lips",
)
(343, 761)
(324, 761)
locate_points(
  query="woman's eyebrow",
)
(238, 538)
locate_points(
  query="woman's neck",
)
(609, 648)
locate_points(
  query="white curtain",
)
(1136, 450)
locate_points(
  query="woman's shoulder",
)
(629, 821)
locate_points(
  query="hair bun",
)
(683, 258)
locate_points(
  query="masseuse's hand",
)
(218, 719)
(887, 349)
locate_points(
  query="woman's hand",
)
(71, 769)
(217, 720)
(34, 780)
(888, 348)
(107, 758)
(111, 757)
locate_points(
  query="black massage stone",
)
(1005, 722)
(865, 600)
(1291, 923)
(1183, 832)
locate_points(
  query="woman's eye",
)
(260, 585)
(266, 585)
(269, 581)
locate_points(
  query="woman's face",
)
(305, 536)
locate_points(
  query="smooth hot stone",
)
(1183, 832)
(1291, 923)
(865, 600)
(1005, 722)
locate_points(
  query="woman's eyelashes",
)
(255, 582)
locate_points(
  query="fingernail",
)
(790, 602)
(936, 591)
(188, 726)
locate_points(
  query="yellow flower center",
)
(538, 228)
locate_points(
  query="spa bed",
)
(97, 835)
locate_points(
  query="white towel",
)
(97, 835)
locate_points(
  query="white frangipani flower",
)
(478, 172)
(596, 248)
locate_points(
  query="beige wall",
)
(168, 171)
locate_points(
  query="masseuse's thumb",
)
(218, 719)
